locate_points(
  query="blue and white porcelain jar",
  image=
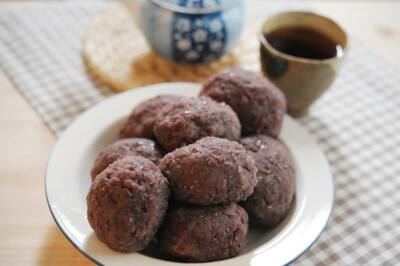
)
(192, 31)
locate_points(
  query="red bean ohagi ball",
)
(127, 203)
(190, 119)
(133, 146)
(204, 233)
(140, 122)
(210, 171)
(273, 195)
(259, 104)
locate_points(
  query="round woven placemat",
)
(116, 52)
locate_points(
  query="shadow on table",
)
(57, 250)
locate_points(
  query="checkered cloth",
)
(356, 123)
(41, 51)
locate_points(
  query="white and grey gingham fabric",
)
(41, 51)
(356, 123)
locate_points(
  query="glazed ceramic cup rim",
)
(265, 42)
(194, 11)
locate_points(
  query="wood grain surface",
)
(28, 233)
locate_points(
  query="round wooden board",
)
(116, 52)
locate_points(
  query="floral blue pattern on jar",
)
(198, 40)
(192, 31)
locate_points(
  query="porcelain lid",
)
(197, 3)
(195, 6)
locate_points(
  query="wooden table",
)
(28, 234)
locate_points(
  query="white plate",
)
(68, 180)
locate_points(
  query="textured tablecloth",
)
(356, 123)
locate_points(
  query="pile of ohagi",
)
(194, 172)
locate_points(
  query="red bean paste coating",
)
(127, 203)
(204, 233)
(190, 119)
(133, 146)
(141, 121)
(273, 195)
(210, 171)
(259, 104)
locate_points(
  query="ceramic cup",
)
(190, 31)
(302, 79)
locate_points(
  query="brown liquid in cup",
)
(303, 42)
